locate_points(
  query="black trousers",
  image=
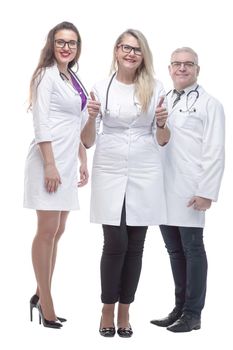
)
(189, 266)
(121, 261)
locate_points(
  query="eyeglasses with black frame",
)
(186, 64)
(127, 49)
(72, 44)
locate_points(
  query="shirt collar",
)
(187, 89)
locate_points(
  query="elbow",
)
(87, 146)
(86, 143)
(164, 143)
(163, 136)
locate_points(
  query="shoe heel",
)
(47, 323)
(31, 315)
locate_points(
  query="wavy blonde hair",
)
(144, 77)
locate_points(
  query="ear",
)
(169, 69)
(198, 70)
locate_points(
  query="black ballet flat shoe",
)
(125, 332)
(33, 304)
(47, 323)
(107, 332)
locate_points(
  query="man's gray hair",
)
(186, 49)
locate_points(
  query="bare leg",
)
(107, 319)
(42, 253)
(123, 315)
(60, 231)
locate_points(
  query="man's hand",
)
(199, 203)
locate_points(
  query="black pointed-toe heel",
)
(125, 332)
(47, 323)
(33, 302)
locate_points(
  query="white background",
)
(207, 27)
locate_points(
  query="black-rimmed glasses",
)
(186, 64)
(127, 49)
(72, 44)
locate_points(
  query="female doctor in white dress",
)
(127, 177)
(58, 102)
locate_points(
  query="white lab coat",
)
(127, 161)
(194, 157)
(57, 118)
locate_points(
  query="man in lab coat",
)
(193, 164)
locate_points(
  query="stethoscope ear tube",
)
(106, 110)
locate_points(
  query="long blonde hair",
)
(47, 58)
(144, 77)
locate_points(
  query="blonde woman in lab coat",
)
(58, 102)
(127, 177)
(193, 167)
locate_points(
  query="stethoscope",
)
(106, 109)
(66, 79)
(190, 108)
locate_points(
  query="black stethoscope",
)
(189, 108)
(106, 109)
(66, 79)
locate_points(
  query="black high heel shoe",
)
(47, 323)
(125, 332)
(33, 304)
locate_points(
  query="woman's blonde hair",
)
(144, 77)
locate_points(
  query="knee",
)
(116, 247)
(175, 253)
(135, 249)
(47, 235)
(194, 250)
(60, 232)
(47, 232)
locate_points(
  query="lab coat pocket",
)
(189, 123)
(193, 122)
(186, 180)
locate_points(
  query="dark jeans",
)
(189, 266)
(121, 261)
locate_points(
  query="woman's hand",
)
(161, 114)
(84, 175)
(93, 106)
(51, 178)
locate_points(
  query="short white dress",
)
(57, 117)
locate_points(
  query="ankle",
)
(107, 319)
(123, 315)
